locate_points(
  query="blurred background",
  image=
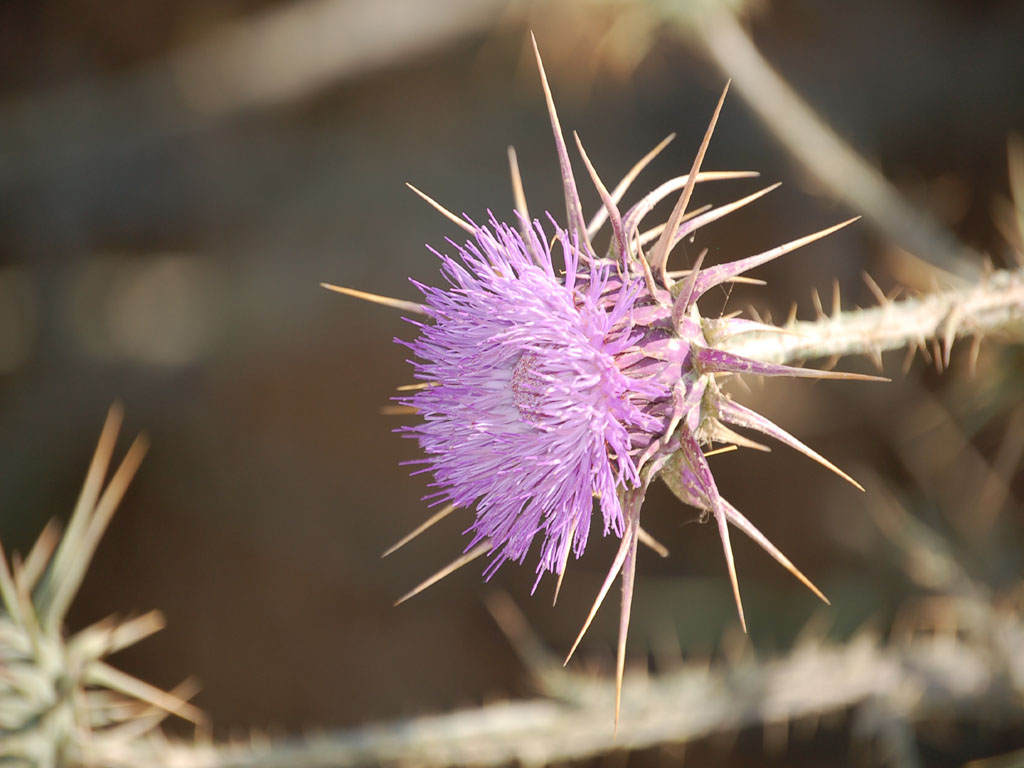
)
(176, 179)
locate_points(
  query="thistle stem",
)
(995, 304)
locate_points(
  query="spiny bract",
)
(547, 383)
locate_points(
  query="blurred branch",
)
(826, 157)
(257, 62)
(934, 676)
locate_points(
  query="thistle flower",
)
(529, 414)
(546, 384)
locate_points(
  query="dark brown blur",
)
(163, 234)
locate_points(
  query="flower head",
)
(551, 375)
(536, 404)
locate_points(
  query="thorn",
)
(723, 271)
(723, 433)
(39, 556)
(925, 352)
(836, 301)
(628, 578)
(831, 363)
(102, 674)
(618, 235)
(937, 355)
(573, 210)
(908, 359)
(620, 189)
(952, 325)
(685, 296)
(816, 301)
(397, 410)
(442, 210)
(708, 214)
(741, 522)
(972, 361)
(876, 359)
(876, 291)
(438, 516)
(480, 549)
(92, 514)
(654, 232)
(564, 561)
(148, 719)
(742, 383)
(739, 280)
(730, 564)
(518, 194)
(705, 496)
(635, 215)
(719, 451)
(406, 306)
(416, 387)
(719, 361)
(742, 416)
(617, 563)
(652, 287)
(652, 543)
(667, 239)
(115, 637)
(791, 319)
(9, 592)
(521, 636)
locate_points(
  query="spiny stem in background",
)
(969, 675)
(60, 702)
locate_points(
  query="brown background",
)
(273, 482)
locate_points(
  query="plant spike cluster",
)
(544, 390)
(60, 702)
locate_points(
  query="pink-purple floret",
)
(540, 393)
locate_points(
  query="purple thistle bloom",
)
(535, 404)
(546, 385)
